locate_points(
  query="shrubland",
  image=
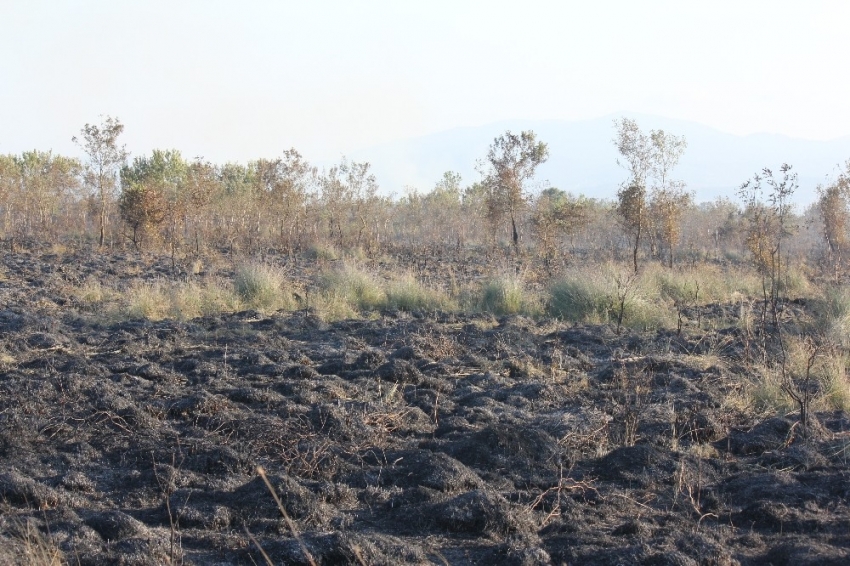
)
(509, 279)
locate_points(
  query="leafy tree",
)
(833, 208)
(47, 183)
(649, 160)
(106, 157)
(511, 163)
(155, 193)
(349, 195)
(284, 184)
(768, 212)
(557, 214)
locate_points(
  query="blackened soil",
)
(404, 439)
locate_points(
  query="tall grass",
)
(704, 283)
(507, 294)
(263, 287)
(409, 294)
(158, 299)
(356, 287)
(832, 311)
(603, 295)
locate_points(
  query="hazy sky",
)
(240, 80)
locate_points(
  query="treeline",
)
(285, 205)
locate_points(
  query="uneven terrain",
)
(396, 438)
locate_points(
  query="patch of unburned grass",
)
(507, 294)
(146, 300)
(160, 299)
(92, 295)
(409, 294)
(703, 283)
(263, 287)
(766, 392)
(601, 295)
(353, 286)
(832, 314)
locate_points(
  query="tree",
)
(105, 160)
(769, 225)
(349, 196)
(443, 206)
(142, 207)
(649, 160)
(834, 210)
(557, 214)
(47, 183)
(155, 190)
(284, 184)
(511, 163)
(666, 210)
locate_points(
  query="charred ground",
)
(397, 438)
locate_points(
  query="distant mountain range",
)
(583, 159)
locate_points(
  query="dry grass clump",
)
(507, 294)
(25, 545)
(828, 371)
(704, 283)
(209, 297)
(354, 286)
(409, 294)
(346, 291)
(832, 315)
(146, 300)
(156, 300)
(608, 294)
(263, 287)
(766, 394)
(92, 295)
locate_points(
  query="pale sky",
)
(247, 79)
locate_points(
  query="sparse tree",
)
(667, 208)
(142, 207)
(511, 163)
(349, 197)
(834, 208)
(47, 183)
(649, 160)
(769, 218)
(284, 184)
(155, 194)
(444, 204)
(557, 214)
(106, 157)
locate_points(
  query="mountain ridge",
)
(583, 158)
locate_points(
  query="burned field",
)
(401, 437)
